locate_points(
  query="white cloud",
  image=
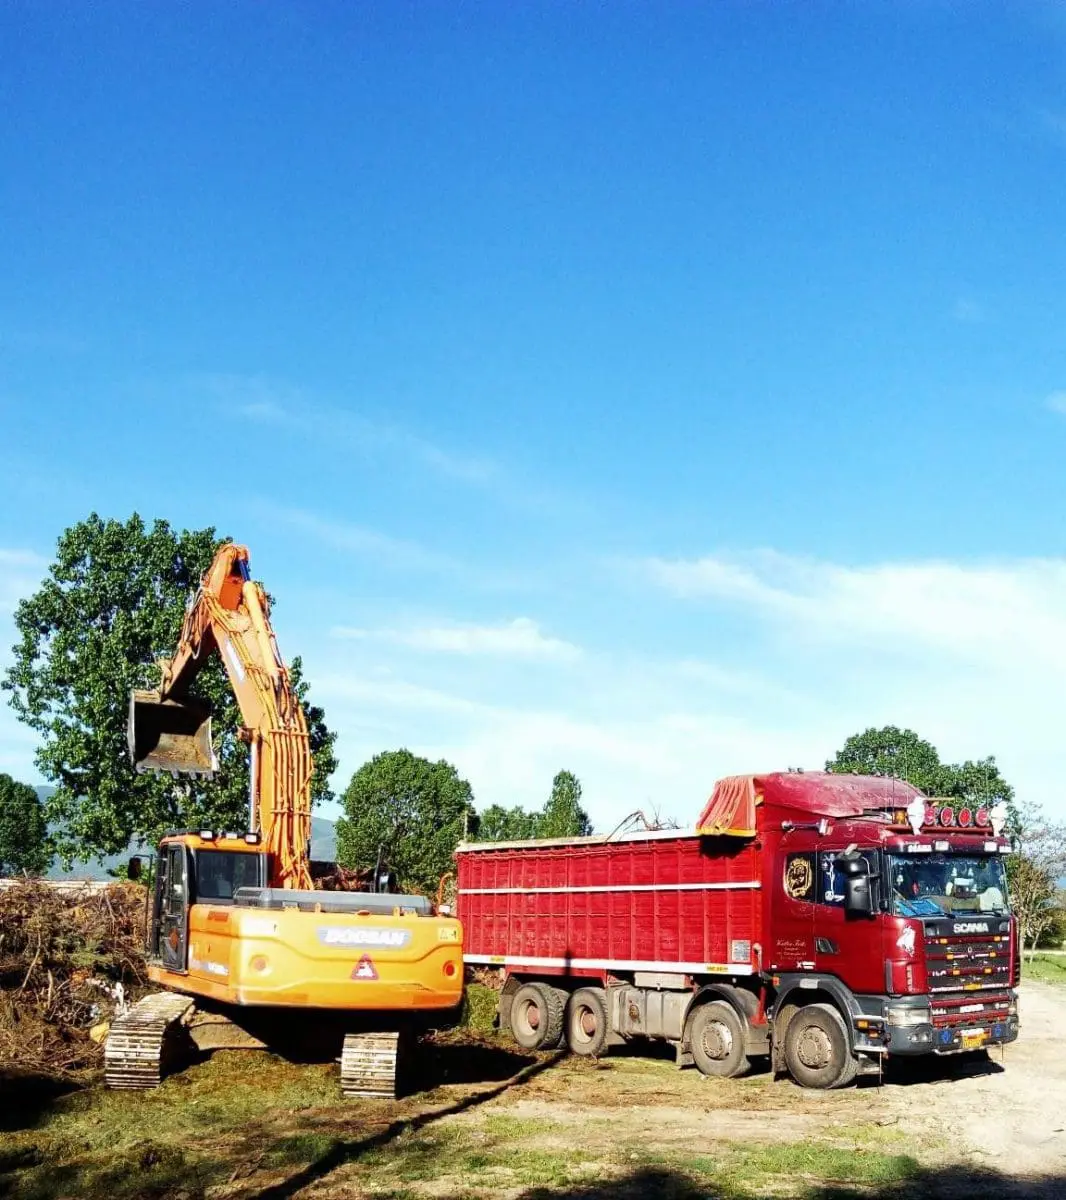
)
(970, 655)
(1057, 402)
(987, 614)
(520, 638)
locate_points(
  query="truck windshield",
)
(219, 873)
(939, 885)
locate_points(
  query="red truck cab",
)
(828, 921)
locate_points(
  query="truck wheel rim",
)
(717, 1040)
(814, 1049)
(531, 1015)
(585, 1024)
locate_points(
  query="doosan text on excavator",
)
(247, 952)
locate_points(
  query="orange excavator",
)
(248, 952)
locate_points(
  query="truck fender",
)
(746, 1004)
(798, 990)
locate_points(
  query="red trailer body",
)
(657, 901)
(826, 920)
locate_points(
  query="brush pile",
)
(69, 960)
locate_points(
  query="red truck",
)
(826, 921)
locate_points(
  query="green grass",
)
(243, 1121)
(1045, 968)
(479, 1008)
(124, 1144)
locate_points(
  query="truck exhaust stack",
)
(170, 735)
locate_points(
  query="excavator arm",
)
(170, 731)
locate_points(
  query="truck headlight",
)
(898, 1015)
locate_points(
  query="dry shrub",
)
(66, 960)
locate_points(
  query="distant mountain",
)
(323, 848)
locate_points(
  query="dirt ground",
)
(1005, 1113)
(495, 1122)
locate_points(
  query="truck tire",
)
(537, 1016)
(817, 1051)
(716, 1038)
(586, 1022)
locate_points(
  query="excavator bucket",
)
(170, 735)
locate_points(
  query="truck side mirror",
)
(858, 897)
(858, 894)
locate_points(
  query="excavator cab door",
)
(173, 941)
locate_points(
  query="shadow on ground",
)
(468, 1063)
(950, 1183)
(350, 1150)
(25, 1097)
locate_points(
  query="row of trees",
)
(411, 813)
(112, 604)
(110, 607)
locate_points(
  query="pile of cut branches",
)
(68, 962)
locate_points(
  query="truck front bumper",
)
(926, 1039)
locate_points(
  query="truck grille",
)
(969, 988)
(976, 963)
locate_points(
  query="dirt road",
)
(1014, 1118)
(1007, 1112)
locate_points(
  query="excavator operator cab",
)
(198, 868)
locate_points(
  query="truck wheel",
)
(537, 1016)
(817, 1052)
(716, 1037)
(586, 1022)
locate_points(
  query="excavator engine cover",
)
(170, 735)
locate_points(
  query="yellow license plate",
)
(975, 1037)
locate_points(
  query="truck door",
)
(848, 947)
(174, 917)
(794, 899)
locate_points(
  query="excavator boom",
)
(170, 731)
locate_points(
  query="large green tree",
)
(499, 824)
(902, 754)
(411, 812)
(24, 842)
(110, 606)
(563, 815)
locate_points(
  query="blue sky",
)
(656, 391)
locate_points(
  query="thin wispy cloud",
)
(358, 540)
(1053, 123)
(21, 572)
(277, 404)
(968, 311)
(520, 638)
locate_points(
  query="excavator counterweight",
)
(170, 735)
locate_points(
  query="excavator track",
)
(369, 1065)
(138, 1044)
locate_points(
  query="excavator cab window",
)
(220, 873)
